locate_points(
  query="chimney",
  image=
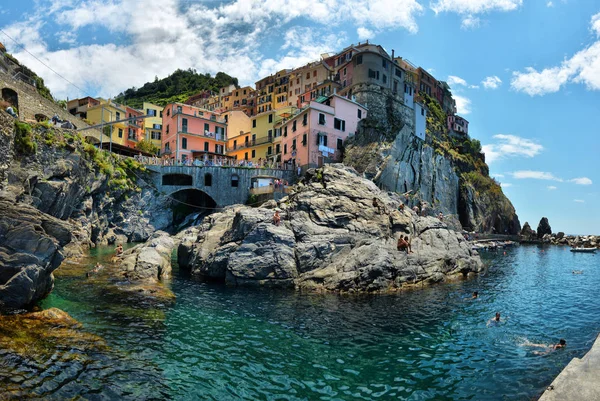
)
(392, 54)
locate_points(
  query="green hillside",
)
(177, 87)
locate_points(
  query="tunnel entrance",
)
(11, 97)
(188, 203)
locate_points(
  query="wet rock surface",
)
(333, 236)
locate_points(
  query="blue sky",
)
(525, 73)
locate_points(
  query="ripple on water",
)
(223, 343)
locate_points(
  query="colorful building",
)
(107, 111)
(189, 132)
(135, 128)
(153, 123)
(307, 78)
(316, 134)
(458, 125)
(79, 107)
(238, 132)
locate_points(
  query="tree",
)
(147, 146)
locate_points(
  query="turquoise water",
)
(224, 343)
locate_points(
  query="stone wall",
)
(221, 190)
(385, 107)
(32, 103)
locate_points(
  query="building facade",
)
(316, 134)
(153, 123)
(189, 132)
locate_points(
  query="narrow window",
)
(270, 118)
(235, 181)
(359, 59)
(207, 180)
(340, 143)
(253, 123)
(206, 127)
(253, 153)
(384, 78)
(321, 119)
(285, 149)
(183, 143)
(294, 126)
(184, 125)
(305, 119)
(304, 139)
(246, 156)
(359, 113)
(206, 144)
(121, 133)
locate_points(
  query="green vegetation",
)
(436, 117)
(147, 146)
(482, 184)
(177, 87)
(24, 141)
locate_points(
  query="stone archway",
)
(41, 117)
(12, 97)
(191, 201)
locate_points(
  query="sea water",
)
(222, 343)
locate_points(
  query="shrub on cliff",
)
(24, 143)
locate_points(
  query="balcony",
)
(249, 144)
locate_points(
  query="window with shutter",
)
(321, 119)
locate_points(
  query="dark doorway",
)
(11, 97)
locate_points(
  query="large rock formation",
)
(30, 250)
(338, 232)
(527, 233)
(543, 228)
(445, 172)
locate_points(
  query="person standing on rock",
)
(276, 218)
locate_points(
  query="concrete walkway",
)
(579, 380)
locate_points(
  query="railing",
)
(269, 190)
(249, 144)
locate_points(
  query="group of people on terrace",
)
(210, 162)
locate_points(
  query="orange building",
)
(192, 133)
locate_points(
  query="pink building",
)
(458, 125)
(316, 134)
(189, 132)
(135, 128)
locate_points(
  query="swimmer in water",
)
(475, 295)
(495, 319)
(562, 343)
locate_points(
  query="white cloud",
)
(551, 188)
(470, 22)
(454, 80)
(510, 146)
(66, 37)
(583, 67)
(164, 35)
(579, 200)
(596, 24)
(364, 33)
(581, 181)
(492, 82)
(498, 175)
(470, 8)
(537, 175)
(549, 4)
(463, 104)
(505, 184)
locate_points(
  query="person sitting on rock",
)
(401, 207)
(402, 244)
(276, 218)
(378, 206)
(10, 111)
(119, 250)
(408, 242)
(441, 216)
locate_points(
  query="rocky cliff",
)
(445, 172)
(338, 232)
(52, 183)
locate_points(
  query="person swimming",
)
(475, 295)
(494, 320)
(562, 343)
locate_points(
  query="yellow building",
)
(238, 128)
(153, 125)
(257, 144)
(105, 112)
(280, 92)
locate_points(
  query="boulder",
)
(30, 250)
(527, 233)
(150, 261)
(338, 232)
(543, 228)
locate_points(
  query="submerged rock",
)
(338, 232)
